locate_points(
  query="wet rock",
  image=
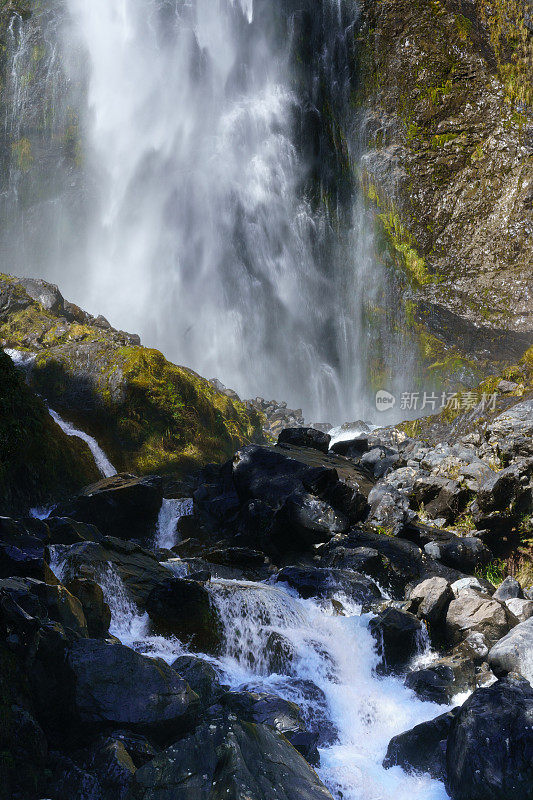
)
(46, 294)
(499, 490)
(138, 569)
(399, 635)
(431, 599)
(423, 748)
(279, 654)
(137, 746)
(513, 653)
(305, 520)
(70, 531)
(512, 431)
(113, 686)
(201, 676)
(96, 610)
(113, 767)
(121, 506)
(490, 744)
(305, 437)
(324, 582)
(431, 684)
(508, 589)
(67, 779)
(229, 758)
(43, 602)
(459, 552)
(472, 612)
(284, 716)
(183, 608)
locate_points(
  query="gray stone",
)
(432, 597)
(471, 612)
(514, 653)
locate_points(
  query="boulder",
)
(441, 497)
(201, 676)
(184, 608)
(114, 686)
(512, 431)
(489, 752)
(389, 508)
(431, 599)
(509, 589)
(233, 759)
(96, 610)
(521, 608)
(399, 636)
(70, 531)
(305, 437)
(305, 520)
(459, 552)
(423, 748)
(324, 582)
(121, 506)
(45, 602)
(111, 560)
(499, 490)
(514, 653)
(284, 716)
(472, 612)
(432, 684)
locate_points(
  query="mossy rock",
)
(39, 464)
(148, 414)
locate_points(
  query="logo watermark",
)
(431, 401)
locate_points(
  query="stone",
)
(399, 635)
(201, 676)
(521, 608)
(122, 506)
(96, 610)
(499, 490)
(514, 652)
(432, 597)
(489, 751)
(114, 686)
(183, 608)
(423, 748)
(473, 612)
(305, 520)
(305, 437)
(508, 589)
(432, 684)
(324, 582)
(229, 759)
(388, 507)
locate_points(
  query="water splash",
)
(102, 462)
(171, 511)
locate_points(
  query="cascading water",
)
(171, 512)
(101, 460)
(213, 157)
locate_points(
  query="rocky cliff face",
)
(445, 107)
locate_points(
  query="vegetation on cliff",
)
(147, 414)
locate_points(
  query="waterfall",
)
(200, 186)
(171, 511)
(102, 462)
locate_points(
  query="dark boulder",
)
(305, 520)
(324, 582)
(121, 506)
(70, 531)
(305, 437)
(283, 715)
(201, 676)
(490, 745)
(399, 636)
(432, 684)
(441, 497)
(184, 608)
(96, 610)
(229, 759)
(115, 686)
(423, 748)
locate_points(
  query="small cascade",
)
(328, 669)
(102, 462)
(171, 511)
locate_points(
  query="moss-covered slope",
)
(445, 103)
(38, 462)
(148, 414)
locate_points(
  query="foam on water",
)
(337, 655)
